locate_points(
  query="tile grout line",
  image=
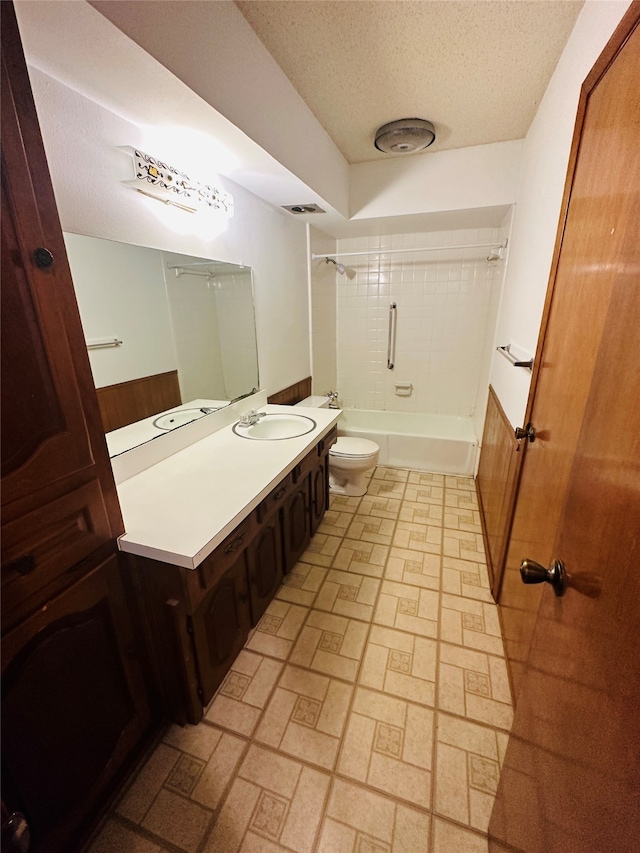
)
(436, 697)
(277, 751)
(335, 774)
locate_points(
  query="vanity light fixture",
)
(167, 184)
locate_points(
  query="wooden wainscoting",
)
(497, 482)
(128, 402)
(293, 394)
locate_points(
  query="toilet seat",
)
(349, 447)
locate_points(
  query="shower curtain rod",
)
(495, 245)
(194, 264)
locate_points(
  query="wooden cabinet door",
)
(265, 562)
(319, 492)
(296, 524)
(74, 708)
(320, 480)
(221, 626)
(52, 442)
(44, 435)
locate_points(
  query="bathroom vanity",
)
(243, 513)
(211, 532)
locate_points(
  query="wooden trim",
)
(293, 394)
(496, 485)
(127, 402)
(620, 35)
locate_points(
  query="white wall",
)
(81, 140)
(546, 155)
(447, 304)
(466, 178)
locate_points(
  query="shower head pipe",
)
(340, 267)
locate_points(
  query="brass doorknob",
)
(527, 432)
(532, 572)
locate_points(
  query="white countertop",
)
(179, 510)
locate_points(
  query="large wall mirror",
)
(164, 332)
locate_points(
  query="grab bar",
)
(391, 345)
(506, 352)
(102, 343)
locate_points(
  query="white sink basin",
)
(276, 427)
(171, 420)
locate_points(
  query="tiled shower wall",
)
(447, 304)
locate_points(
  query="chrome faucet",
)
(333, 399)
(250, 418)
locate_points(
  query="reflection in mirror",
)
(164, 332)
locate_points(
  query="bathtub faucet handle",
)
(333, 398)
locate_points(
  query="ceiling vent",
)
(303, 208)
(405, 136)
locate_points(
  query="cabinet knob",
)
(233, 546)
(43, 258)
(23, 565)
(16, 837)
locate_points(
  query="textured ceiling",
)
(477, 69)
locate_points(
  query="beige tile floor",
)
(369, 711)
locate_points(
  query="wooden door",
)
(74, 708)
(570, 778)
(593, 237)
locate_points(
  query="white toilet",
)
(349, 459)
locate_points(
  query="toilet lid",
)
(348, 445)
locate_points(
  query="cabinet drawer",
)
(225, 555)
(275, 500)
(325, 444)
(310, 461)
(306, 466)
(44, 543)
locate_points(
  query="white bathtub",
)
(442, 444)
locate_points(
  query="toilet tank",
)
(315, 402)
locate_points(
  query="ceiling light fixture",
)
(405, 136)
